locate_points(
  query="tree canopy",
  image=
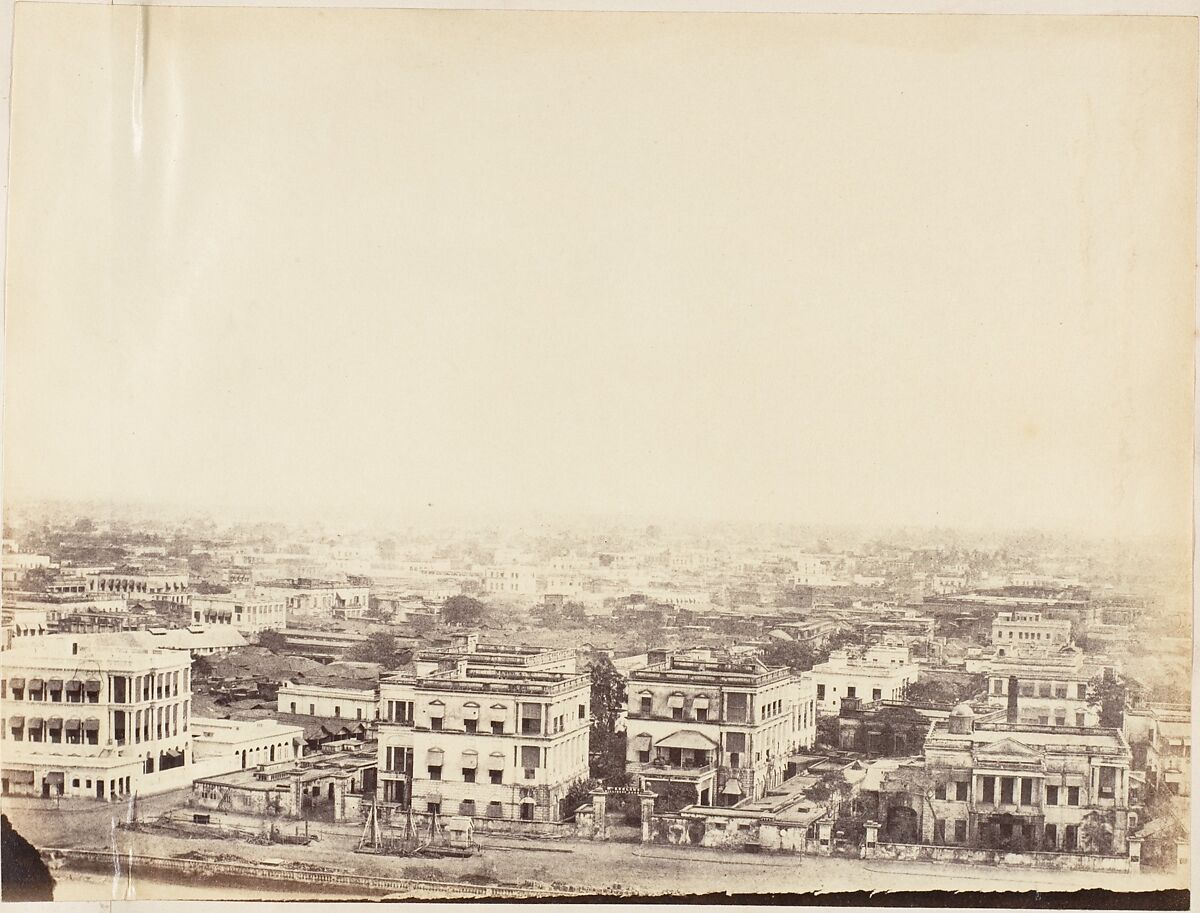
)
(463, 610)
(1110, 693)
(606, 745)
(379, 648)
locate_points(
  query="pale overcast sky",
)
(844, 269)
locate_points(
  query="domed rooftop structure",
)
(962, 719)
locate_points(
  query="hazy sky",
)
(891, 269)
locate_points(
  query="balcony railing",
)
(672, 772)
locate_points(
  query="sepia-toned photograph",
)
(480, 455)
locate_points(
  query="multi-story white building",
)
(322, 598)
(16, 564)
(1024, 632)
(248, 613)
(815, 570)
(1012, 786)
(1169, 754)
(1048, 693)
(720, 728)
(162, 586)
(93, 715)
(350, 701)
(881, 672)
(510, 580)
(492, 742)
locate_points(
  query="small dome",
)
(962, 710)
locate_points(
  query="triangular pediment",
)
(1007, 748)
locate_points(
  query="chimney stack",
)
(1013, 690)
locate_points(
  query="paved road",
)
(598, 867)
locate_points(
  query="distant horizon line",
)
(229, 515)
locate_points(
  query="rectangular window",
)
(1071, 838)
(820, 692)
(1060, 691)
(876, 694)
(435, 723)
(960, 831)
(433, 808)
(939, 791)
(582, 711)
(960, 790)
(1052, 795)
(989, 789)
(644, 757)
(467, 807)
(496, 776)
(1026, 791)
(701, 714)
(530, 756)
(1072, 795)
(677, 713)
(468, 774)
(1044, 689)
(1108, 782)
(1081, 692)
(1007, 785)
(645, 705)
(1050, 842)
(998, 686)
(471, 725)
(1080, 718)
(852, 691)
(435, 772)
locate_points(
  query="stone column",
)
(647, 800)
(599, 811)
(1135, 854)
(872, 838)
(825, 838)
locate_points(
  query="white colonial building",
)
(881, 672)
(249, 613)
(96, 715)
(717, 729)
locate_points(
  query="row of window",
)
(1029, 635)
(852, 691)
(337, 710)
(699, 714)
(70, 692)
(495, 775)
(1050, 834)
(493, 810)
(1059, 690)
(1021, 790)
